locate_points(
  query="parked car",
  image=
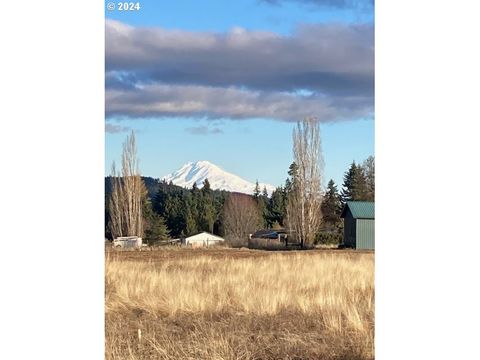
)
(265, 234)
(127, 242)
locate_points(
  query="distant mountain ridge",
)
(219, 179)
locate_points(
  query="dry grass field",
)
(239, 304)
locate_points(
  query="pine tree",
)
(261, 198)
(361, 190)
(293, 170)
(160, 198)
(263, 202)
(277, 206)
(207, 214)
(354, 184)
(331, 205)
(256, 191)
(169, 203)
(175, 212)
(157, 230)
(191, 224)
(265, 192)
(206, 186)
(190, 211)
(292, 173)
(348, 180)
(288, 185)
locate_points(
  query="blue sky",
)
(185, 108)
(221, 15)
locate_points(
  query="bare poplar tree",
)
(368, 167)
(115, 204)
(128, 190)
(241, 217)
(305, 198)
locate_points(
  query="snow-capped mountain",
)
(197, 172)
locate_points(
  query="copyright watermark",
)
(123, 6)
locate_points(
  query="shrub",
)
(329, 238)
(236, 242)
(266, 244)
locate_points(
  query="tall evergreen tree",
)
(265, 192)
(256, 191)
(190, 211)
(288, 185)
(263, 202)
(331, 205)
(293, 170)
(354, 184)
(175, 210)
(168, 203)
(261, 198)
(155, 228)
(348, 180)
(277, 206)
(292, 174)
(207, 214)
(206, 186)
(160, 198)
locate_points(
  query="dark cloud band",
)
(240, 74)
(217, 103)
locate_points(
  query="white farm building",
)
(203, 239)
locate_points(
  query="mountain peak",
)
(196, 173)
(203, 163)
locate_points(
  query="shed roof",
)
(360, 209)
(204, 236)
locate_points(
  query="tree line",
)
(164, 210)
(358, 185)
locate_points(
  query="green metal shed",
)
(359, 224)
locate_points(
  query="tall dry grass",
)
(295, 306)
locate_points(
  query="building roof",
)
(204, 236)
(360, 209)
(266, 233)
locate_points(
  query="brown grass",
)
(250, 307)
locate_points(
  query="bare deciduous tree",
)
(241, 217)
(128, 190)
(368, 167)
(305, 198)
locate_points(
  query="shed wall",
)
(365, 234)
(349, 230)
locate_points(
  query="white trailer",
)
(127, 242)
